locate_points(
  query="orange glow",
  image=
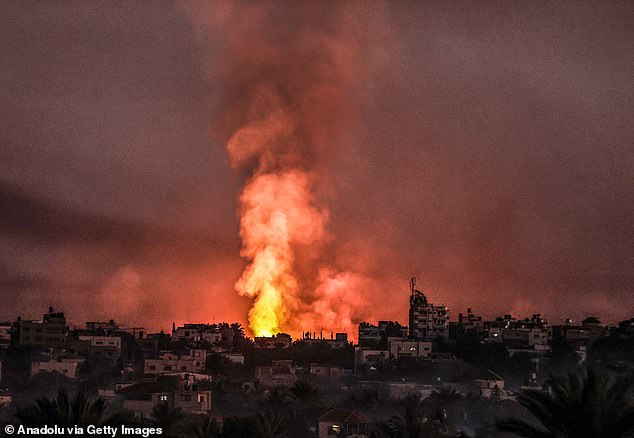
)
(276, 214)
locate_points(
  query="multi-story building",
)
(399, 348)
(368, 334)
(528, 335)
(103, 326)
(168, 363)
(376, 335)
(281, 340)
(426, 321)
(5, 334)
(280, 373)
(102, 347)
(140, 398)
(50, 332)
(369, 357)
(580, 335)
(469, 323)
(338, 341)
(197, 333)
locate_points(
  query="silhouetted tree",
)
(63, 411)
(238, 330)
(206, 427)
(270, 423)
(304, 390)
(217, 364)
(166, 417)
(587, 404)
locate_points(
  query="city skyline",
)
(292, 166)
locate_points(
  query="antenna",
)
(412, 285)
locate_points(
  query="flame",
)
(284, 105)
(277, 213)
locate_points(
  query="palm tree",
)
(270, 423)
(166, 417)
(217, 364)
(408, 425)
(238, 330)
(63, 411)
(206, 428)
(590, 403)
(304, 390)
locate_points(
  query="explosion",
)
(282, 108)
(276, 214)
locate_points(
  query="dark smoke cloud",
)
(488, 150)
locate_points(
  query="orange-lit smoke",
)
(283, 106)
(277, 213)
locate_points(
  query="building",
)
(102, 347)
(168, 363)
(280, 373)
(426, 321)
(343, 422)
(103, 326)
(66, 367)
(236, 358)
(5, 335)
(580, 335)
(399, 348)
(196, 333)
(140, 398)
(491, 386)
(368, 358)
(281, 340)
(469, 323)
(50, 332)
(328, 372)
(373, 336)
(368, 335)
(338, 341)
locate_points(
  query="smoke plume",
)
(285, 101)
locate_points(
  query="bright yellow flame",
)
(277, 212)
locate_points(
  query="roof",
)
(140, 390)
(591, 320)
(337, 415)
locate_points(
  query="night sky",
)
(487, 149)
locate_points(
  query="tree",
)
(217, 364)
(238, 330)
(206, 428)
(63, 411)
(270, 423)
(166, 417)
(585, 404)
(304, 390)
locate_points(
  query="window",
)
(334, 430)
(186, 397)
(163, 398)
